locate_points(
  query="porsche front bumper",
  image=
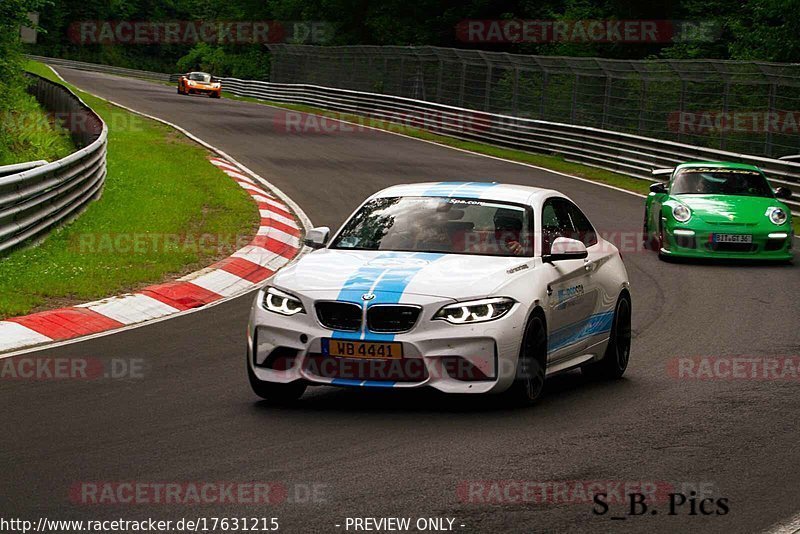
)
(698, 241)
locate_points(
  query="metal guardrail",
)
(5, 170)
(35, 200)
(620, 152)
(749, 107)
(96, 67)
(627, 154)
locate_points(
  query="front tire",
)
(661, 241)
(649, 240)
(530, 374)
(275, 392)
(618, 352)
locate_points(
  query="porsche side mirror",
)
(783, 193)
(317, 237)
(564, 248)
(658, 188)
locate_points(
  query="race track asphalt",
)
(192, 417)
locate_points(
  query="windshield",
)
(716, 181)
(200, 77)
(437, 224)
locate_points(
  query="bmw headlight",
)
(475, 311)
(778, 216)
(277, 301)
(681, 213)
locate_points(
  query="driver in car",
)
(508, 230)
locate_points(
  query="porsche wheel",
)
(661, 241)
(618, 352)
(650, 242)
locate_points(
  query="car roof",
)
(199, 72)
(718, 164)
(520, 194)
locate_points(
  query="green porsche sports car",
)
(718, 210)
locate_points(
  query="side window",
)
(555, 222)
(584, 231)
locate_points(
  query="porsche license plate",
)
(362, 349)
(732, 238)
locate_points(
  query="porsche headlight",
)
(191, 83)
(778, 216)
(476, 311)
(681, 213)
(215, 85)
(277, 301)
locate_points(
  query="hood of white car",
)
(350, 274)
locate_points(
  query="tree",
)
(13, 14)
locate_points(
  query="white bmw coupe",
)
(464, 287)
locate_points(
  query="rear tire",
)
(530, 374)
(275, 392)
(618, 352)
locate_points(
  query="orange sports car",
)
(200, 83)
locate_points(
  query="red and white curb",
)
(276, 243)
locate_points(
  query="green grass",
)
(555, 163)
(27, 133)
(161, 195)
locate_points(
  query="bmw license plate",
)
(362, 349)
(731, 238)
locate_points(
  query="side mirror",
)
(783, 193)
(564, 248)
(658, 188)
(317, 237)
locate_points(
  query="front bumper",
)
(702, 245)
(203, 91)
(478, 358)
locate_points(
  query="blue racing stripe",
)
(575, 332)
(459, 189)
(387, 283)
(362, 383)
(378, 384)
(346, 382)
